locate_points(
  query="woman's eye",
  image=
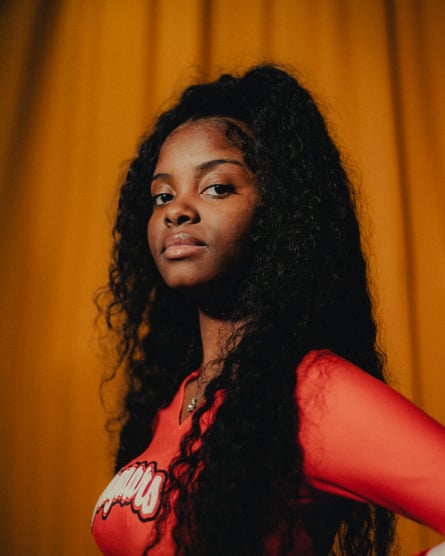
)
(161, 199)
(219, 190)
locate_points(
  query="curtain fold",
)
(80, 82)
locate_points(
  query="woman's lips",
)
(182, 245)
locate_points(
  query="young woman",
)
(256, 417)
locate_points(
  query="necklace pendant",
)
(192, 405)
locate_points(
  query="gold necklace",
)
(192, 405)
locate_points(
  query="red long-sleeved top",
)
(361, 440)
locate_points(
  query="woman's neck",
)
(215, 334)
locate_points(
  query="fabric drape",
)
(81, 80)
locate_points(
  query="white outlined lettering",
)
(139, 486)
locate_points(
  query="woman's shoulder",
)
(326, 362)
(323, 371)
(329, 387)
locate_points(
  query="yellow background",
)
(80, 81)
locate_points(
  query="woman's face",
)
(204, 197)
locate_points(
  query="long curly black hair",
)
(304, 287)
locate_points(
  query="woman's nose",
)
(181, 211)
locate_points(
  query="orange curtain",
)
(80, 82)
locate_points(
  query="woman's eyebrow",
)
(211, 163)
(161, 175)
(203, 166)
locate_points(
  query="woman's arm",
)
(363, 440)
(438, 550)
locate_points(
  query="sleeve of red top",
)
(364, 441)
